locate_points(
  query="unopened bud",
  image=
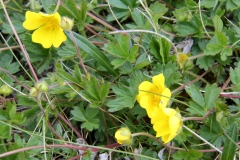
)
(124, 136)
(5, 90)
(41, 86)
(33, 92)
(67, 23)
(34, 5)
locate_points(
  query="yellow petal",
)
(148, 101)
(144, 86)
(58, 37)
(167, 138)
(169, 111)
(33, 20)
(166, 94)
(158, 115)
(158, 80)
(43, 36)
(175, 124)
(161, 129)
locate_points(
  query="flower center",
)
(51, 24)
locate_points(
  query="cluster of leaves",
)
(122, 43)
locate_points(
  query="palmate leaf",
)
(94, 52)
(95, 92)
(125, 93)
(123, 51)
(170, 72)
(86, 116)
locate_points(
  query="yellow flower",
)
(47, 28)
(167, 122)
(153, 94)
(124, 136)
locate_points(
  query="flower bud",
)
(124, 136)
(67, 23)
(41, 86)
(5, 90)
(182, 58)
(34, 5)
(33, 92)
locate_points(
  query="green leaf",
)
(78, 113)
(5, 131)
(123, 51)
(120, 103)
(170, 72)
(235, 76)
(186, 28)
(196, 109)
(12, 110)
(229, 149)
(225, 53)
(217, 22)
(157, 10)
(208, 3)
(205, 62)
(71, 6)
(211, 95)
(95, 92)
(125, 93)
(47, 5)
(118, 62)
(118, 4)
(196, 95)
(213, 49)
(140, 20)
(221, 38)
(66, 76)
(231, 6)
(94, 52)
(87, 116)
(212, 131)
(82, 15)
(188, 155)
(236, 2)
(160, 48)
(91, 124)
(141, 62)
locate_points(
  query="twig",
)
(71, 126)
(78, 53)
(193, 81)
(15, 79)
(199, 118)
(7, 48)
(95, 33)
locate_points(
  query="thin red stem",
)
(71, 126)
(78, 53)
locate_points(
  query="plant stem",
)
(154, 138)
(78, 53)
(71, 126)
(198, 118)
